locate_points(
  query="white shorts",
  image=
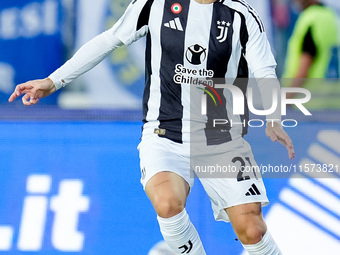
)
(218, 168)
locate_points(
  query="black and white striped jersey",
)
(187, 42)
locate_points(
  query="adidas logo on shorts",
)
(253, 191)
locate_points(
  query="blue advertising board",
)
(72, 187)
(31, 44)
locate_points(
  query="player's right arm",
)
(87, 57)
(127, 30)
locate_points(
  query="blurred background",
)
(69, 167)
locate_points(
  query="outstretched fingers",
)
(30, 91)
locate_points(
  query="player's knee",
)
(252, 234)
(168, 206)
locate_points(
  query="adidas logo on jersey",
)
(253, 190)
(174, 24)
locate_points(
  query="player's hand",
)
(275, 132)
(33, 91)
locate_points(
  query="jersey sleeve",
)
(262, 64)
(134, 23)
(258, 51)
(308, 45)
(87, 57)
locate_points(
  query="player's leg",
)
(251, 229)
(168, 193)
(242, 191)
(165, 168)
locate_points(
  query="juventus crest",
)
(223, 27)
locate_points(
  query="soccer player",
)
(189, 40)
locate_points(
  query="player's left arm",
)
(262, 63)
